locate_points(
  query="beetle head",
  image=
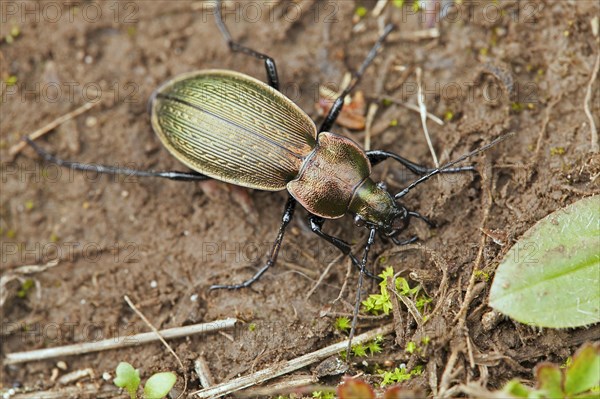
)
(374, 207)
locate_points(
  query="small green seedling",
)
(381, 303)
(342, 324)
(323, 395)
(400, 374)
(360, 350)
(580, 379)
(157, 386)
(551, 276)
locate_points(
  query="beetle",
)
(231, 127)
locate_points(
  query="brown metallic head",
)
(374, 206)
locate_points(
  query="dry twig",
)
(423, 111)
(586, 106)
(17, 148)
(288, 366)
(115, 343)
(398, 321)
(322, 277)
(155, 331)
(203, 371)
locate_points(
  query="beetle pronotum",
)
(231, 127)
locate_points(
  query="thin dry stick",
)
(296, 384)
(203, 371)
(423, 111)
(448, 372)
(412, 309)
(586, 107)
(360, 316)
(379, 7)
(17, 148)
(346, 278)
(542, 133)
(461, 317)
(415, 108)
(288, 366)
(81, 391)
(373, 107)
(115, 343)
(415, 35)
(322, 277)
(398, 321)
(141, 316)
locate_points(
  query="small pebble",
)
(153, 284)
(61, 365)
(490, 320)
(88, 59)
(91, 121)
(194, 298)
(106, 376)
(124, 193)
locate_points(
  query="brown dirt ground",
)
(162, 243)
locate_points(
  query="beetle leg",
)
(377, 156)
(363, 270)
(338, 104)
(113, 170)
(316, 224)
(410, 240)
(423, 218)
(236, 47)
(288, 213)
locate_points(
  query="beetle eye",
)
(358, 221)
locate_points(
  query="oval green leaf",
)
(127, 378)
(159, 385)
(551, 276)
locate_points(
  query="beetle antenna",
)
(452, 163)
(363, 265)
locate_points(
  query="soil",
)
(506, 66)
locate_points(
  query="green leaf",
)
(127, 378)
(549, 378)
(516, 389)
(584, 373)
(159, 385)
(551, 276)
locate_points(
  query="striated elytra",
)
(237, 129)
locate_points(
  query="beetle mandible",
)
(231, 127)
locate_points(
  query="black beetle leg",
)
(410, 240)
(316, 224)
(113, 170)
(288, 214)
(377, 156)
(338, 104)
(423, 218)
(236, 47)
